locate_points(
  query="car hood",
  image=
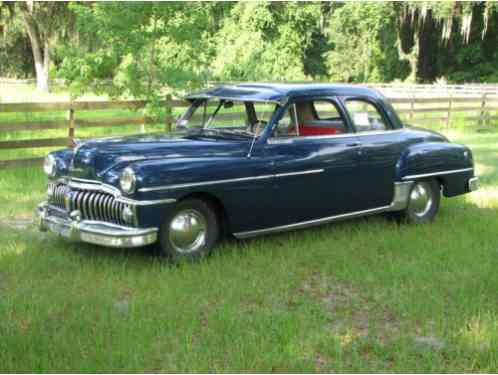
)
(94, 158)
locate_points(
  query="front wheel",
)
(423, 202)
(190, 231)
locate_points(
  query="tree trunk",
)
(41, 56)
(411, 57)
(42, 82)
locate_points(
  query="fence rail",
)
(480, 109)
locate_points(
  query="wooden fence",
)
(70, 124)
(481, 110)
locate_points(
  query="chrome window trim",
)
(230, 180)
(277, 140)
(411, 177)
(378, 132)
(237, 99)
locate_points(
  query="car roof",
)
(281, 92)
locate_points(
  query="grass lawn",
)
(362, 295)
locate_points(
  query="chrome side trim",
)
(226, 181)
(411, 177)
(399, 202)
(134, 202)
(311, 171)
(83, 184)
(205, 183)
(309, 223)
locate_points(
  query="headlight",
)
(49, 165)
(128, 181)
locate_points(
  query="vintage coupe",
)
(252, 159)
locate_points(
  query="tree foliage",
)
(364, 47)
(265, 41)
(42, 23)
(142, 48)
(146, 49)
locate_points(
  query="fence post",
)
(482, 114)
(449, 111)
(169, 114)
(412, 108)
(71, 130)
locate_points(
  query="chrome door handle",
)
(353, 144)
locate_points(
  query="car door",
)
(315, 171)
(381, 145)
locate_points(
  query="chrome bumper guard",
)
(473, 183)
(95, 232)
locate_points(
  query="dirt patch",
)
(352, 314)
(359, 322)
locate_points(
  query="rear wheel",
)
(190, 231)
(423, 202)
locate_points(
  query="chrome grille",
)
(59, 191)
(93, 205)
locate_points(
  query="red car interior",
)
(307, 130)
(310, 124)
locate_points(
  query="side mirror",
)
(227, 105)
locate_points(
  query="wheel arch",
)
(216, 203)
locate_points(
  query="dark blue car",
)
(252, 159)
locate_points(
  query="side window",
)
(286, 126)
(365, 116)
(263, 111)
(311, 118)
(325, 110)
(231, 114)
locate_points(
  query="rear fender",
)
(449, 163)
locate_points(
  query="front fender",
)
(239, 184)
(451, 164)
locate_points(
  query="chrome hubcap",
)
(187, 231)
(420, 199)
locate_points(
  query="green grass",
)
(353, 296)
(21, 93)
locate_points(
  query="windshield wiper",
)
(236, 132)
(244, 133)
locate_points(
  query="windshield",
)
(227, 116)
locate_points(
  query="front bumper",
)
(95, 232)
